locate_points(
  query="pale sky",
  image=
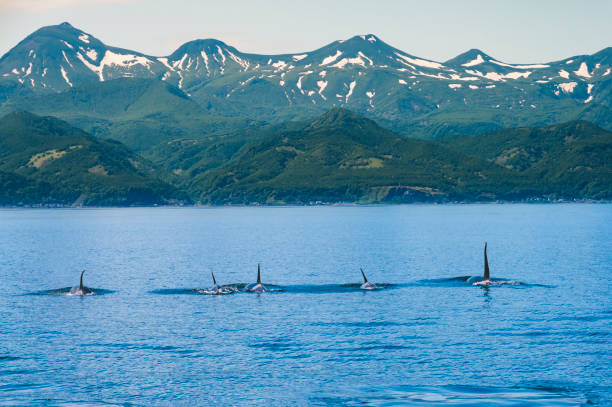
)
(515, 31)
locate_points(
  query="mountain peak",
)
(469, 58)
(365, 37)
(197, 46)
(337, 116)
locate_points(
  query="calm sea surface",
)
(540, 335)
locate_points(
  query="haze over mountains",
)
(211, 124)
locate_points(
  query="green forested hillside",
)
(45, 160)
(140, 113)
(344, 157)
(570, 160)
(338, 157)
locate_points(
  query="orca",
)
(366, 284)
(216, 289)
(257, 287)
(81, 289)
(486, 278)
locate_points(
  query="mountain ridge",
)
(412, 95)
(44, 160)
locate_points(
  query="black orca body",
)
(486, 277)
(366, 284)
(216, 289)
(257, 287)
(81, 289)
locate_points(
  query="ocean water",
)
(151, 334)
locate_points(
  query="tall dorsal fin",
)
(81, 285)
(486, 265)
(258, 274)
(365, 280)
(213, 276)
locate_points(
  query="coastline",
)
(315, 204)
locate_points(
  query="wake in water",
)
(464, 281)
(67, 291)
(222, 290)
(270, 288)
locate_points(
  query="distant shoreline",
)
(343, 204)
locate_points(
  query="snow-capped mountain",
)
(362, 73)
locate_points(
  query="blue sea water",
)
(540, 335)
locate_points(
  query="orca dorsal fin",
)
(258, 274)
(81, 285)
(486, 264)
(213, 276)
(365, 280)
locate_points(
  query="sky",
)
(514, 31)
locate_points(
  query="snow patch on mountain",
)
(477, 61)
(456, 77)
(494, 76)
(350, 91)
(65, 75)
(205, 59)
(220, 51)
(583, 71)
(331, 58)
(564, 74)
(244, 64)
(66, 58)
(455, 85)
(370, 94)
(299, 81)
(279, 65)
(322, 85)
(121, 60)
(84, 38)
(124, 60)
(567, 87)
(516, 75)
(92, 54)
(534, 66)
(299, 57)
(420, 62)
(359, 60)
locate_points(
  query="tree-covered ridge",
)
(338, 157)
(44, 160)
(572, 160)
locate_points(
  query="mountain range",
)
(471, 93)
(83, 123)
